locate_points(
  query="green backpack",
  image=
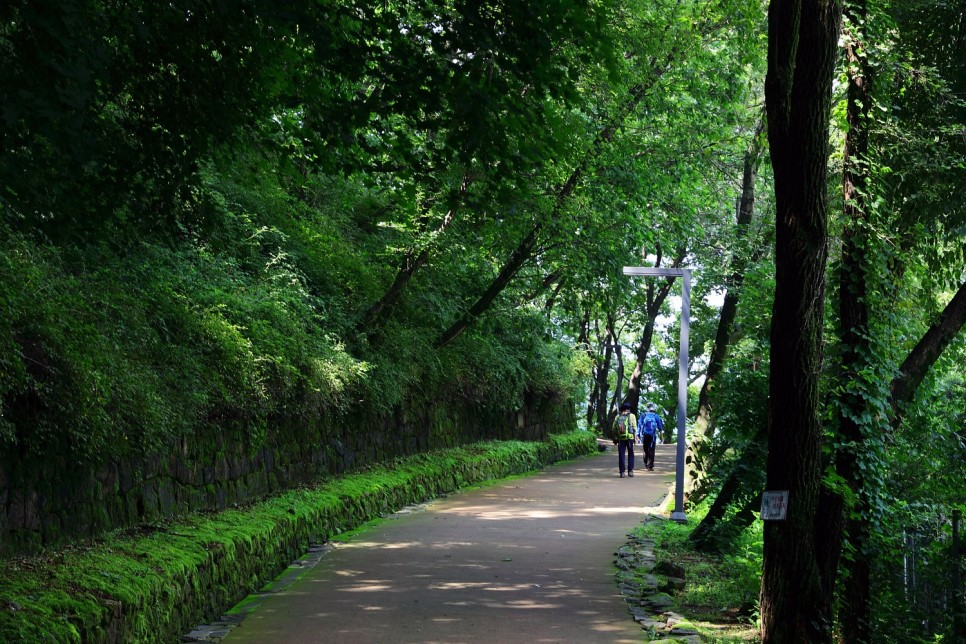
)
(625, 428)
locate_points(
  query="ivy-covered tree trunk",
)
(802, 46)
(856, 389)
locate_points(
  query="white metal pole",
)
(685, 275)
(678, 513)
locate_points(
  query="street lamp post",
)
(685, 275)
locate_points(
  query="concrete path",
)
(527, 560)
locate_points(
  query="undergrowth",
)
(720, 596)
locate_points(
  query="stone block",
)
(181, 469)
(670, 569)
(651, 581)
(132, 507)
(167, 499)
(672, 618)
(127, 476)
(242, 465)
(197, 500)
(152, 466)
(221, 497)
(673, 585)
(222, 469)
(659, 601)
(241, 492)
(149, 501)
(108, 479)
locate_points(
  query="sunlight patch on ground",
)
(529, 604)
(504, 514)
(369, 587)
(458, 585)
(349, 573)
(617, 510)
(513, 587)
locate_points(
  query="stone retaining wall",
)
(48, 499)
(156, 584)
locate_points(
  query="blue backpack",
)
(649, 424)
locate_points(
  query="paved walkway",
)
(527, 560)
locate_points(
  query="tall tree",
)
(802, 48)
(696, 459)
(658, 49)
(858, 390)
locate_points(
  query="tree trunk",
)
(802, 45)
(524, 250)
(603, 374)
(743, 485)
(696, 460)
(584, 341)
(510, 268)
(926, 352)
(616, 401)
(412, 261)
(855, 352)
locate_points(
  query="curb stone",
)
(219, 629)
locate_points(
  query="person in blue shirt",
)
(647, 428)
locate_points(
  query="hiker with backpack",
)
(624, 426)
(647, 428)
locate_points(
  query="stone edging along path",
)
(646, 588)
(156, 582)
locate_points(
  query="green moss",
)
(157, 581)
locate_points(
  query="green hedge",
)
(155, 582)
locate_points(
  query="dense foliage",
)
(233, 213)
(202, 200)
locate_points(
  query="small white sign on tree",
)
(774, 505)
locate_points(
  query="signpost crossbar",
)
(648, 271)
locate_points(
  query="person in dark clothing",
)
(647, 430)
(624, 431)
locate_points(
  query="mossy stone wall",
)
(155, 583)
(50, 498)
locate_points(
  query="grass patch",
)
(720, 596)
(154, 582)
